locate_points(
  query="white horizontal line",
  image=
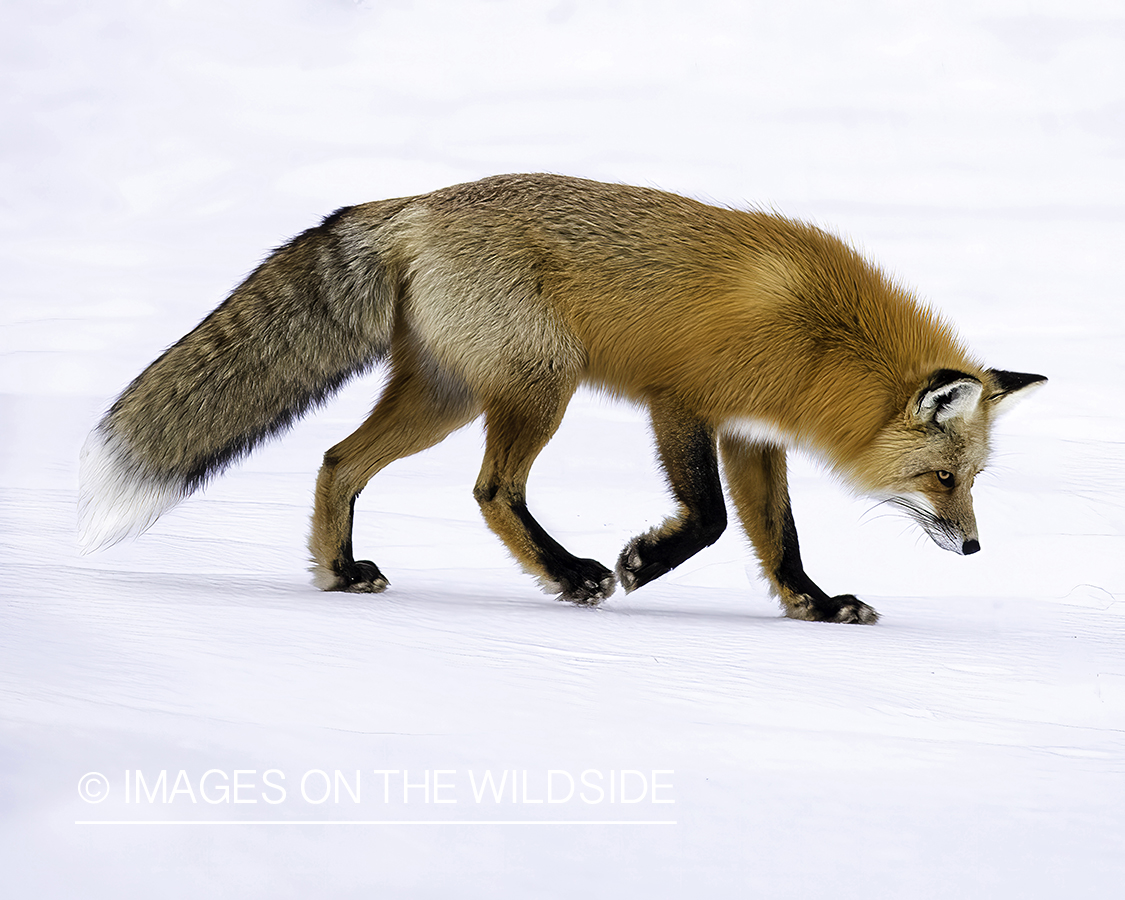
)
(374, 822)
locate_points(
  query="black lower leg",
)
(582, 581)
(694, 473)
(802, 597)
(356, 576)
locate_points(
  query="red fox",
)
(743, 333)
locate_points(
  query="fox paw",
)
(632, 569)
(365, 578)
(360, 577)
(588, 583)
(843, 608)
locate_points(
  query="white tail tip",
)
(116, 500)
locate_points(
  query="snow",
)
(969, 745)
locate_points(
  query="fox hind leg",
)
(418, 408)
(686, 446)
(756, 476)
(517, 429)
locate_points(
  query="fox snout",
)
(957, 536)
(949, 536)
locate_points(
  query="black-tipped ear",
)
(1007, 385)
(946, 395)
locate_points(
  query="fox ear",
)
(1011, 386)
(947, 395)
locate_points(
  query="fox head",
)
(925, 460)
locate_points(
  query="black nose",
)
(970, 547)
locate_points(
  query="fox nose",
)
(970, 547)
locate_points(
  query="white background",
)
(972, 744)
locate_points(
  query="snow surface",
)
(972, 744)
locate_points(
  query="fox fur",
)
(742, 332)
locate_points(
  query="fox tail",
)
(317, 312)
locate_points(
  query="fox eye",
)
(946, 478)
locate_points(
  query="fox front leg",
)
(756, 475)
(686, 446)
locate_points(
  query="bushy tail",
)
(316, 312)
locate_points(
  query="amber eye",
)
(946, 478)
